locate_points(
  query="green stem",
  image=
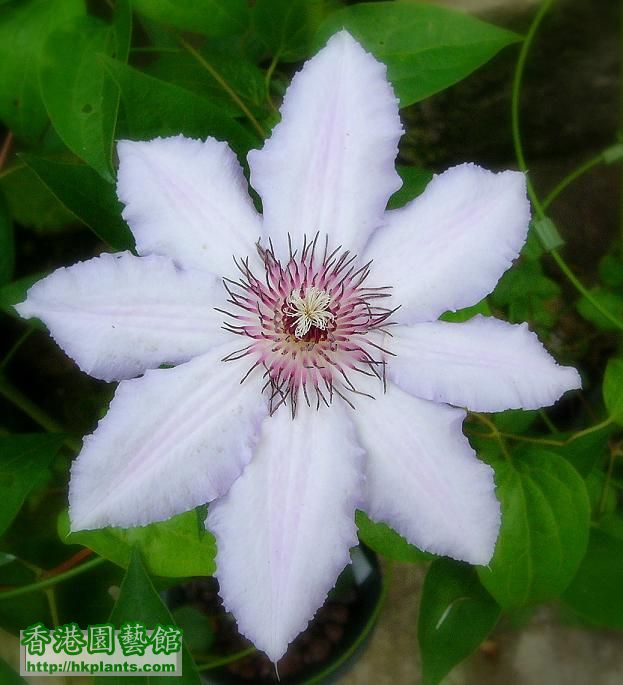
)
(591, 429)
(9, 170)
(54, 580)
(581, 288)
(517, 81)
(268, 80)
(604, 492)
(495, 432)
(224, 85)
(571, 177)
(547, 421)
(11, 353)
(521, 160)
(16, 397)
(227, 659)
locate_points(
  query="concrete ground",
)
(543, 652)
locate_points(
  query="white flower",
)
(336, 410)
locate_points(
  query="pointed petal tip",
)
(344, 40)
(280, 554)
(337, 138)
(478, 540)
(484, 364)
(434, 491)
(24, 309)
(276, 640)
(274, 644)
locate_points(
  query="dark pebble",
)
(317, 651)
(334, 632)
(291, 663)
(338, 613)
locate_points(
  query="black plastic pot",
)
(332, 642)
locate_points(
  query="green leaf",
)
(611, 270)
(525, 280)
(8, 676)
(223, 67)
(387, 542)
(545, 523)
(532, 248)
(586, 451)
(208, 17)
(466, 314)
(172, 548)
(611, 302)
(613, 389)
(139, 602)
(23, 461)
(156, 108)
(426, 48)
(456, 615)
(197, 627)
(287, 27)
(26, 609)
(24, 28)
(514, 420)
(7, 246)
(602, 497)
(595, 592)
(15, 292)
(527, 294)
(87, 195)
(32, 203)
(243, 77)
(414, 181)
(79, 95)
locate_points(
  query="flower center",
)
(311, 323)
(308, 313)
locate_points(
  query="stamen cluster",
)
(310, 322)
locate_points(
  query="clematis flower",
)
(310, 375)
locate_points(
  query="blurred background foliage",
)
(77, 75)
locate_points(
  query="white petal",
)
(483, 364)
(329, 165)
(448, 248)
(424, 479)
(117, 315)
(172, 440)
(285, 527)
(187, 199)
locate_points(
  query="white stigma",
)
(310, 310)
